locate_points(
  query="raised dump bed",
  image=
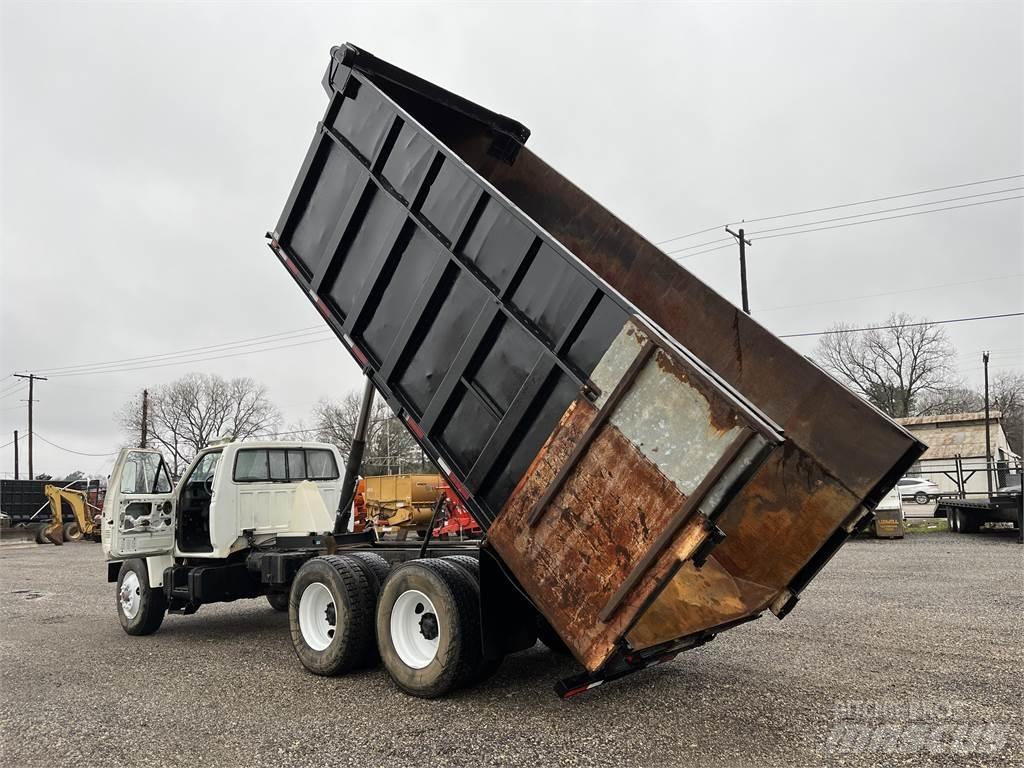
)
(651, 465)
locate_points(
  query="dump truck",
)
(649, 465)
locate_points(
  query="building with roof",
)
(952, 435)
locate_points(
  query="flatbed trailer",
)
(969, 515)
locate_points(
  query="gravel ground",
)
(891, 651)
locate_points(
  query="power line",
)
(904, 325)
(699, 245)
(193, 350)
(20, 438)
(698, 253)
(851, 216)
(885, 218)
(843, 205)
(68, 450)
(16, 390)
(881, 199)
(890, 293)
(187, 362)
(890, 210)
(698, 232)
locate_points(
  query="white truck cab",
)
(261, 519)
(231, 497)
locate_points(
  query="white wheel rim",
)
(415, 631)
(130, 595)
(318, 616)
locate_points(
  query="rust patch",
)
(592, 535)
(722, 415)
(772, 528)
(696, 599)
(788, 509)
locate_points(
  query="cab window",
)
(296, 463)
(144, 473)
(278, 470)
(251, 467)
(280, 465)
(320, 465)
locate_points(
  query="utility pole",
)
(16, 454)
(743, 265)
(988, 440)
(145, 416)
(32, 379)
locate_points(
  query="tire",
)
(469, 564)
(140, 609)
(41, 534)
(547, 635)
(278, 601)
(340, 639)
(952, 521)
(921, 497)
(434, 654)
(72, 532)
(374, 566)
(471, 567)
(968, 524)
(376, 570)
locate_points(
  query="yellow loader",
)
(85, 525)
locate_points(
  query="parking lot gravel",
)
(906, 652)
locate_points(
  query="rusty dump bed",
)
(649, 463)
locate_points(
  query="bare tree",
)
(187, 414)
(1006, 395)
(892, 366)
(390, 448)
(956, 398)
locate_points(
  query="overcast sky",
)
(146, 148)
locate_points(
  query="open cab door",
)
(138, 512)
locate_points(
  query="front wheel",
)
(921, 497)
(139, 608)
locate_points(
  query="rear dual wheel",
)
(330, 614)
(422, 619)
(428, 627)
(331, 611)
(960, 522)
